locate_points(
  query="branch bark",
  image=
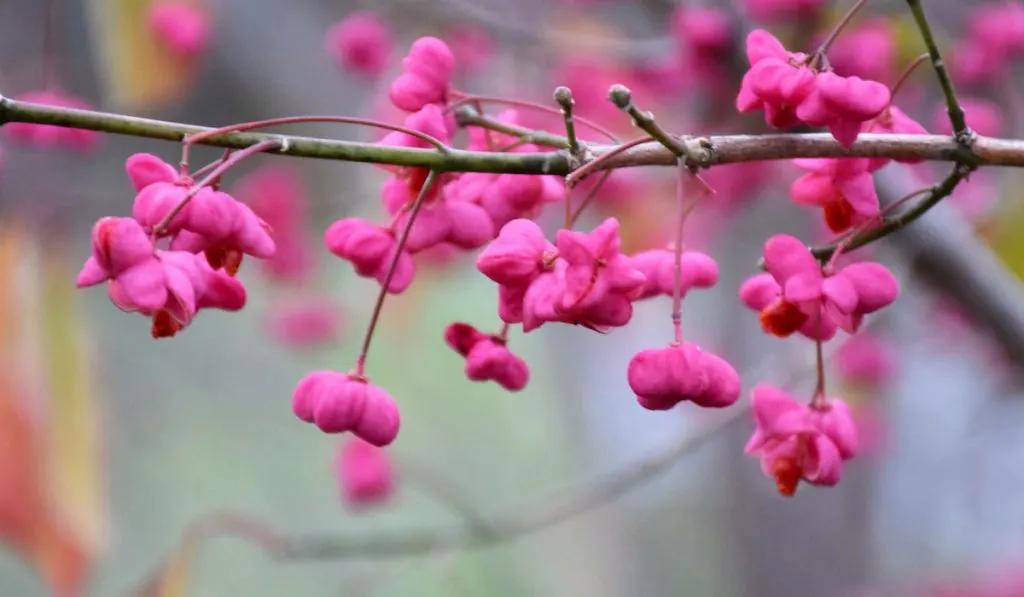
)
(724, 149)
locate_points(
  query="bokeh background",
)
(133, 439)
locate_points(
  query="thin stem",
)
(563, 95)
(574, 179)
(589, 198)
(51, 78)
(892, 224)
(905, 75)
(215, 174)
(568, 207)
(503, 332)
(487, 99)
(386, 282)
(953, 108)
(205, 169)
(487, 134)
(819, 392)
(677, 284)
(465, 116)
(834, 35)
(193, 139)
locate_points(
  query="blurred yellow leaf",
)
(138, 72)
(1003, 234)
(50, 509)
(171, 579)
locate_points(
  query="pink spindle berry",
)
(517, 256)
(867, 360)
(183, 28)
(338, 403)
(46, 136)
(797, 294)
(664, 377)
(594, 266)
(487, 357)
(366, 476)
(798, 442)
(843, 104)
(361, 42)
(370, 249)
(658, 266)
(777, 82)
(168, 286)
(137, 280)
(843, 188)
(304, 322)
(426, 75)
(144, 169)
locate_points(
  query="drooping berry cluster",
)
(182, 248)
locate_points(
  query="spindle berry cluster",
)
(186, 239)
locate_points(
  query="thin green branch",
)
(467, 116)
(456, 160)
(563, 96)
(702, 152)
(622, 97)
(956, 112)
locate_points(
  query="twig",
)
(563, 95)
(507, 527)
(622, 97)
(956, 113)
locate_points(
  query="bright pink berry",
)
(370, 248)
(365, 474)
(183, 28)
(843, 104)
(426, 75)
(47, 136)
(659, 269)
(594, 266)
(487, 357)
(144, 169)
(517, 255)
(843, 188)
(664, 377)
(797, 442)
(430, 119)
(798, 295)
(777, 81)
(339, 403)
(361, 42)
